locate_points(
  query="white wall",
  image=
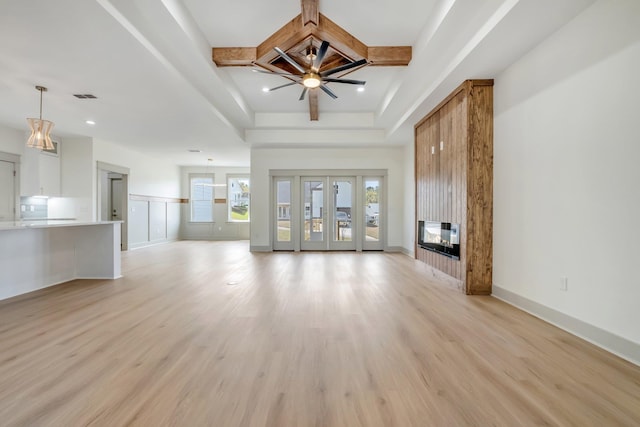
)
(409, 235)
(13, 141)
(148, 176)
(566, 175)
(263, 160)
(221, 228)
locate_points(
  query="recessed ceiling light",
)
(194, 150)
(265, 89)
(360, 89)
(90, 122)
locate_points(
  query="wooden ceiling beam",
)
(310, 14)
(389, 55)
(234, 56)
(313, 105)
(340, 39)
(285, 38)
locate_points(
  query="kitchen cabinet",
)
(40, 172)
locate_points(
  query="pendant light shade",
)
(40, 129)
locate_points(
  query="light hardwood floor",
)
(208, 334)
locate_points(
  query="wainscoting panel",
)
(153, 220)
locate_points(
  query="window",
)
(201, 197)
(238, 195)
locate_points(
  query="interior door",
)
(116, 199)
(283, 216)
(328, 216)
(116, 202)
(314, 214)
(7, 191)
(343, 219)
(372, 214)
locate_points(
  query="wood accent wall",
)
(455, 184)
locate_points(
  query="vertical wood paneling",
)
(442, 175)
(455, 184)
(463, 108)
(480, 192)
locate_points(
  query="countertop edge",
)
(26, 224)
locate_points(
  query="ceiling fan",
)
(312, 78)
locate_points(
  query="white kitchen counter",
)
(46, 223)
(38, 254)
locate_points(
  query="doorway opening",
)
(113, 198)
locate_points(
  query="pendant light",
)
(40, 129)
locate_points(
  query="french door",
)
(327, 207)
(372, 214)
(322, 211)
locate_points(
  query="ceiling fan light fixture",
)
(40, 129)
(311, 80)
(311, 54)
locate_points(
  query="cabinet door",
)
(30, 172)
(49, 175)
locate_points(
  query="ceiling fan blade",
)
(289, 60)
(285, 85)
(322, 52)
(343, 68)
(348, 81)
(304, 92)
(328, 91)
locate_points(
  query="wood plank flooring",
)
(208, 334)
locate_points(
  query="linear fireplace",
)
(440, 237)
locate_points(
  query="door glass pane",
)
(342, 211)
(313, 210)
(283, 210)
(238, 198)
(372, 209)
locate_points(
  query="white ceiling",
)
(149, 64)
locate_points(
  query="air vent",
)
(85, 96)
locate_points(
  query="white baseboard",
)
(260, 248)
(140, 245)
(615, 344)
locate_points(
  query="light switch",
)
(441, 145)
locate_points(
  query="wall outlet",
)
(564, 283)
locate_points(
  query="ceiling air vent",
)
(85, 96)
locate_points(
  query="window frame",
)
(229, 198)
(191, 198)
